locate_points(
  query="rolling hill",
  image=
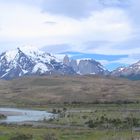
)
(68, 89)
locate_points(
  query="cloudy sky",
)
(106, 30)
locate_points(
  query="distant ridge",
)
(131, 72)
(28, 60)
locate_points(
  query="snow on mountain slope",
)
(10, 55)
(30, 61)
(130, 71)
(40, 66)
(36, 54)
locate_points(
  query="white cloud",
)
(79, 8)
(130, 59)
(109, 27)
(24, 23)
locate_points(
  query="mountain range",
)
(130, 72)
(23, 62)
(27, 61)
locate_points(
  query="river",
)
(15, 115)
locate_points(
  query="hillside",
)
(67, 89)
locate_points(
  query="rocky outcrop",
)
(86, 66)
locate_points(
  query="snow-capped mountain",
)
(132, 71)
(118, 71)
(86, 66)
(30, 61)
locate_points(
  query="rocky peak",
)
(24, 61)
(66, 60)
(130, 71)
(85, 66)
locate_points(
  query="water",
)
(15, 115)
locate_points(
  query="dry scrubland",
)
(88, 108)
(65, 89)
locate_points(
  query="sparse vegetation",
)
(80, 122)
(41, 91)
(2, 116)
(104, 122)
(50, 136)
(108, 110)
(21, 137)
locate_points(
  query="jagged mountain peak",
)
(30, 52)
(11, 54)
(86, 66)
(132, 71)
(30, 61)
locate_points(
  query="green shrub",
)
(2, 116)
(50, 136)
(105, 122)
(90, 124)
(22, 137)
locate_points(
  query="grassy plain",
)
(80, 102)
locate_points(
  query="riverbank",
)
(76, 122)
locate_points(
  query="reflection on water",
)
(20, 115)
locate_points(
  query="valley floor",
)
(80, 122)
(87, 108)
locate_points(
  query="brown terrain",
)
(68, 89)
